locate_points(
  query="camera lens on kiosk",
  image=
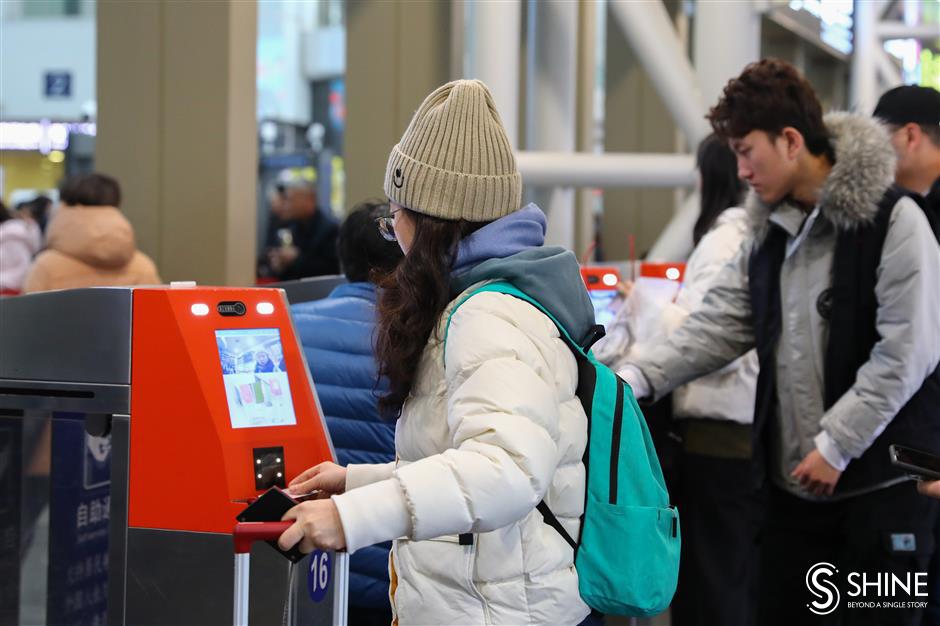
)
(231, 308)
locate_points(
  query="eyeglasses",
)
(386, 226)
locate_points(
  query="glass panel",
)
(54, 515)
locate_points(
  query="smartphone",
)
(922, 465)
(271, 507)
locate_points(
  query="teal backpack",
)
(627, 556)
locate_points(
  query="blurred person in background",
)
(337, 335)
(310, 250)
(838, 288)
(912, 114)
(277, 233)
(89, 242)
(39, 209)
(715, 489)
(20, 240)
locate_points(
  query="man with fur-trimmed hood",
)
(839, 290)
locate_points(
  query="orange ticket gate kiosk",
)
(135, 424)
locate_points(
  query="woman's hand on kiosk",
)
(316, 525)
(327, 478)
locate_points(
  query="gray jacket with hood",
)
(908, 314)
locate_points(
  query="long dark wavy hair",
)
(721, 188)
(411, 300)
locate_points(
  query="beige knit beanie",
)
(454, 161)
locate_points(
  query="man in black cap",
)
(912, 113)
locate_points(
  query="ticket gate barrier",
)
(307, 289)
(134, 425)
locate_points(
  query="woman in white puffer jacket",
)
(490, 426)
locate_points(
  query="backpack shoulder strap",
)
(552, 521)
(502, 286)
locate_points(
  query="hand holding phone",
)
(929, 488)
(317, 525)
(920, 465)
(271, 507)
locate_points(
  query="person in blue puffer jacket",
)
(337, 338)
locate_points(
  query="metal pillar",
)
(590, 35)
(606, 170)
(888, 72)
(492, 40)
(864, 85)
(900, 30)
(188, 81)
(718, 62)
(551, 106)
(651, 34)
(675, 242)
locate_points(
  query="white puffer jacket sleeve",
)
(503, 416)
(362, 474)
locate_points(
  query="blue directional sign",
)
(58, 84)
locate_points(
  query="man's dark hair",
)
(363, 253)
(932, 131)
(90, 190)
(771, 95)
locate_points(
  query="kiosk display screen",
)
(606, 304)
(255, 378)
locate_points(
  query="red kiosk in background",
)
(667, 271)
(601, 282)
(661, 280)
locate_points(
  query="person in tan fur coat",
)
(89, 242)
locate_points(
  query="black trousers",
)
(886, 531)
(720, 510)
(364, 616)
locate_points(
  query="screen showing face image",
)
(606, 304)
(255, 378)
